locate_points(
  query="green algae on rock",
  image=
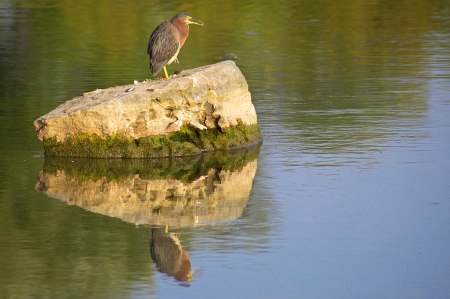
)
(185, 169)
(204, 109)
(186, 142)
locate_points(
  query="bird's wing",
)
(162, 46)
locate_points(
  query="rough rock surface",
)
(211, 97)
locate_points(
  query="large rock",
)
(208, 108)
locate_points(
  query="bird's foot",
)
(165, 72)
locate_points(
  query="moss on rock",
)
(186, 169)
(186, 142)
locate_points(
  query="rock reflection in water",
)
(182, 191)
(169, 257)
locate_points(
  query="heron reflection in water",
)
(169, 257)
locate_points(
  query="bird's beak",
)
(191, 20)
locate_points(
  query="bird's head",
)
(184, 17)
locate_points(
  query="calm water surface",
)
(348, 196)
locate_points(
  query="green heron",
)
(166, 41)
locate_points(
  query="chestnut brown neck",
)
(183, 29)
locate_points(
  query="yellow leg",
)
(165, 71)
(176, 60)
(167, 229)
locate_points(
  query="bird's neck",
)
(184, 31)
